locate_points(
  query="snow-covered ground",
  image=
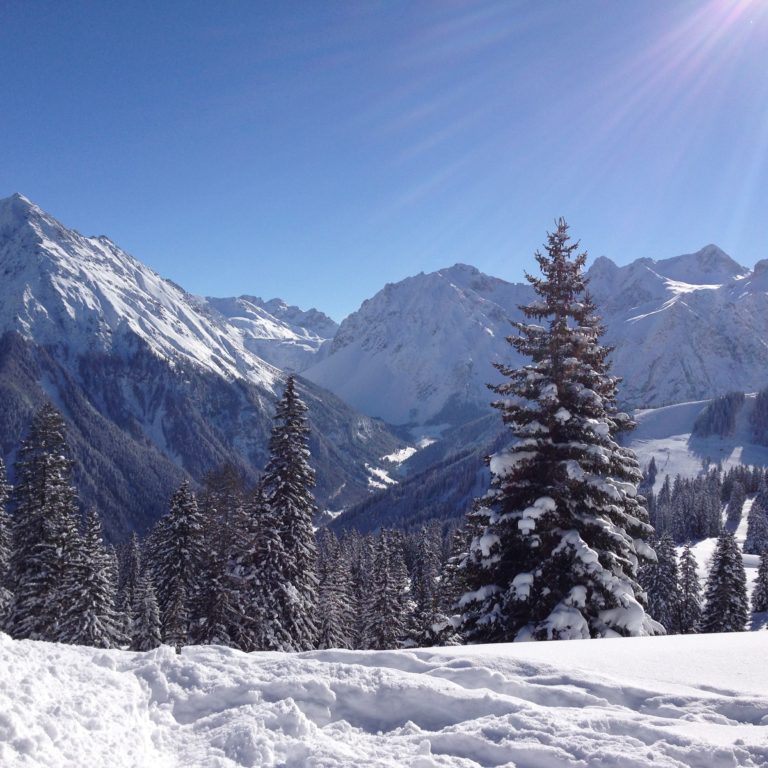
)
(668, 701)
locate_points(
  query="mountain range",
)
(158, 385)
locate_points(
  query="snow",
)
(667, 701)
(378, 478)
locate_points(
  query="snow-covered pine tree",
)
(756, 540)
(129, 571)
(146, 633)
(223, 511)
(760, 592)
(562, 527)
(735, 505)
(44, 528)
(689, 604)
(88, 613)
(334, 595)
(177, 567)
(362, 553)
(5, 547)
(430, 625)
(726, 608)
(287, 483)
(389, 605)
(662, 585)
(258, 583)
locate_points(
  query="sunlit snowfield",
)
(668, 701)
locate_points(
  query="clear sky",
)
(316, 150)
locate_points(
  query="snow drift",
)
(670, 701)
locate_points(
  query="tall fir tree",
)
(726, 608)
(388, 606)
(735, 505)
(6, 595)
(145, 627)
(760, 592)
(562, 530)
(44, 528)
(689, 605)
(179, 557)
(89, 616)
(287, 483)
(756, 540)
(662, 584)
(334, 595)
(129, 572)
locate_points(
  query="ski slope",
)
(667, 701)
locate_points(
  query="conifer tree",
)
(689, 605)
(287, 483)
(334, 596)
(259, 586)
(5, 547)
(178, 562)
(663, 586)
(129, 571)
(756, 540)
(145, 627)
(89, 616)
(388, 606)
(562, 530)
(760, 592)
(726, 608)
(735, 505)
(44, 528)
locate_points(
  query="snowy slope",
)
(665, 434)
(670, 701)
(421, 350)
(57, 283)
(285, 336)
(685, 328)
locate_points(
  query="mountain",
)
(420, 351)
(285, 336)
(156, 385)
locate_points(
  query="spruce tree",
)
(735, 505)
(178, 562)
(756, 540)
(129, 571)
(89, 616)
(726, 608)
(287, 482)
(760, 592)
(334, 596)
(145, 627)
(5, 548)
(388, 606)
(663, 586)
(561, 532)
(689, 604)
(44, 528)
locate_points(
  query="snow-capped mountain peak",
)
(60, 286)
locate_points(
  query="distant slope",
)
(155, 385)
(421, 350)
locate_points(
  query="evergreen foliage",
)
(760, 593)
(287, 487)
(44, 529)
(178, 561)
(6, 595)
(719, 416)
(561, 532)
(663, 586)
(689, 604)
(145, 627)
(726, 608)
(334, 595)
(89, 616)
(735, 505)
(756, 540)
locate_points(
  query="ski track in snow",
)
(674, 701)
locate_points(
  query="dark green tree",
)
(689, 606)
(726, 608)
(561, 532)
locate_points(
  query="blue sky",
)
(316, 150)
